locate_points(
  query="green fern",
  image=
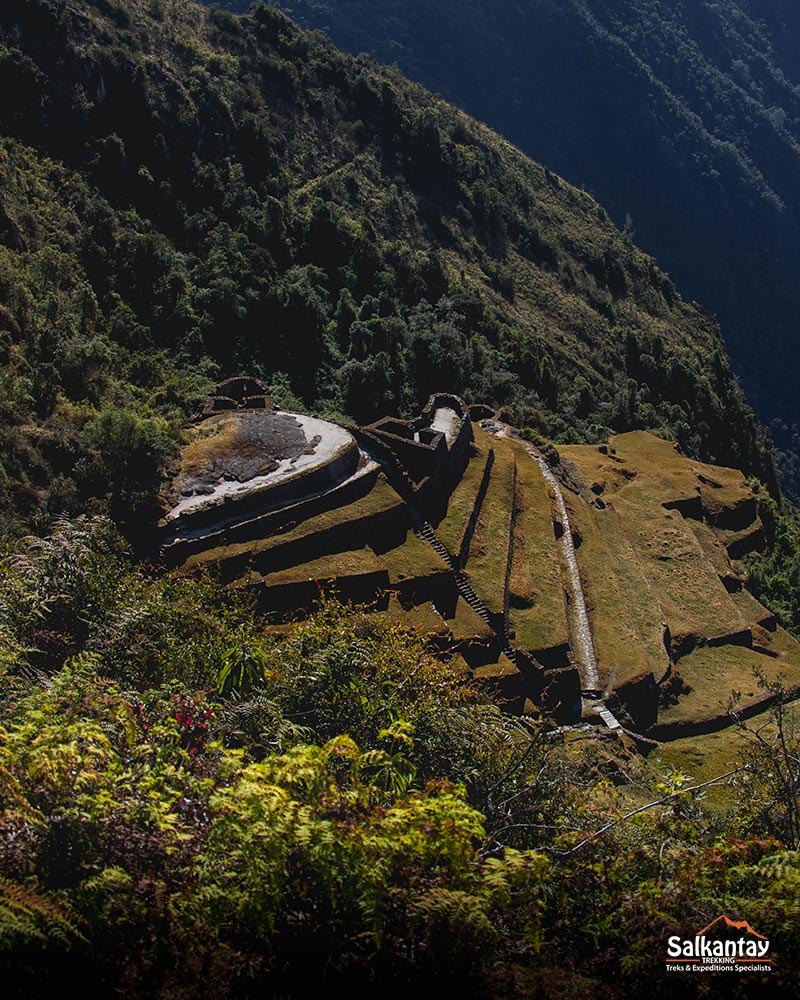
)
(453, 923)
(27, 916)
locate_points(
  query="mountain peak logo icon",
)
(724, 922)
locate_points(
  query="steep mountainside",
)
(681, 118)
(211, 225)
(186, 194)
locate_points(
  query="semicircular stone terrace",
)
(250, 461)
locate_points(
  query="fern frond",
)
(29, 916)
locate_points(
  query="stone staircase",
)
(424, 530)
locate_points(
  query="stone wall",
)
(384, 526)
(419, 458)
(425, 472)
(242, 526)
(240, 392)
(435, 402)
(298, 595)
(248, 505)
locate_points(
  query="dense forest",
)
(195, 803)
(681, 118)
(187, 194)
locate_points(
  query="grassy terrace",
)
(693, 599)
(721, 489)
(661, 472)
(709, 755)
(487, 560)
(412, 560)
(715, 673)
(705, 757)
(328, 568)
(712, 546)
(752, 611)
(644, 564)
(381, 500)
(453, 526)
(711, 541)
(422, 618)
(461, 625)
(637, 478)
(625, 617)
(465, 623)
(674, 556)
(749, 539)
(537, 612)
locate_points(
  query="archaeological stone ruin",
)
(452, 523)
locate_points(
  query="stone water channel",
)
(578, 619)
(580, 630)
(583, 646)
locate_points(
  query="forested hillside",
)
(200, 803)
(682, 119)
(187, 194)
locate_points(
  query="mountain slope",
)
(682, 118)
(187, 194)
(195, 805)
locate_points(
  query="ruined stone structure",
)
(239, 393)
(249, 474)
(450, 522)
(250, 463)
(424, 458)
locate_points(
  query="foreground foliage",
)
(345, 811)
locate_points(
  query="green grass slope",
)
(660, 558)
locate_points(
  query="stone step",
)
(425, 531)
(607, 717)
